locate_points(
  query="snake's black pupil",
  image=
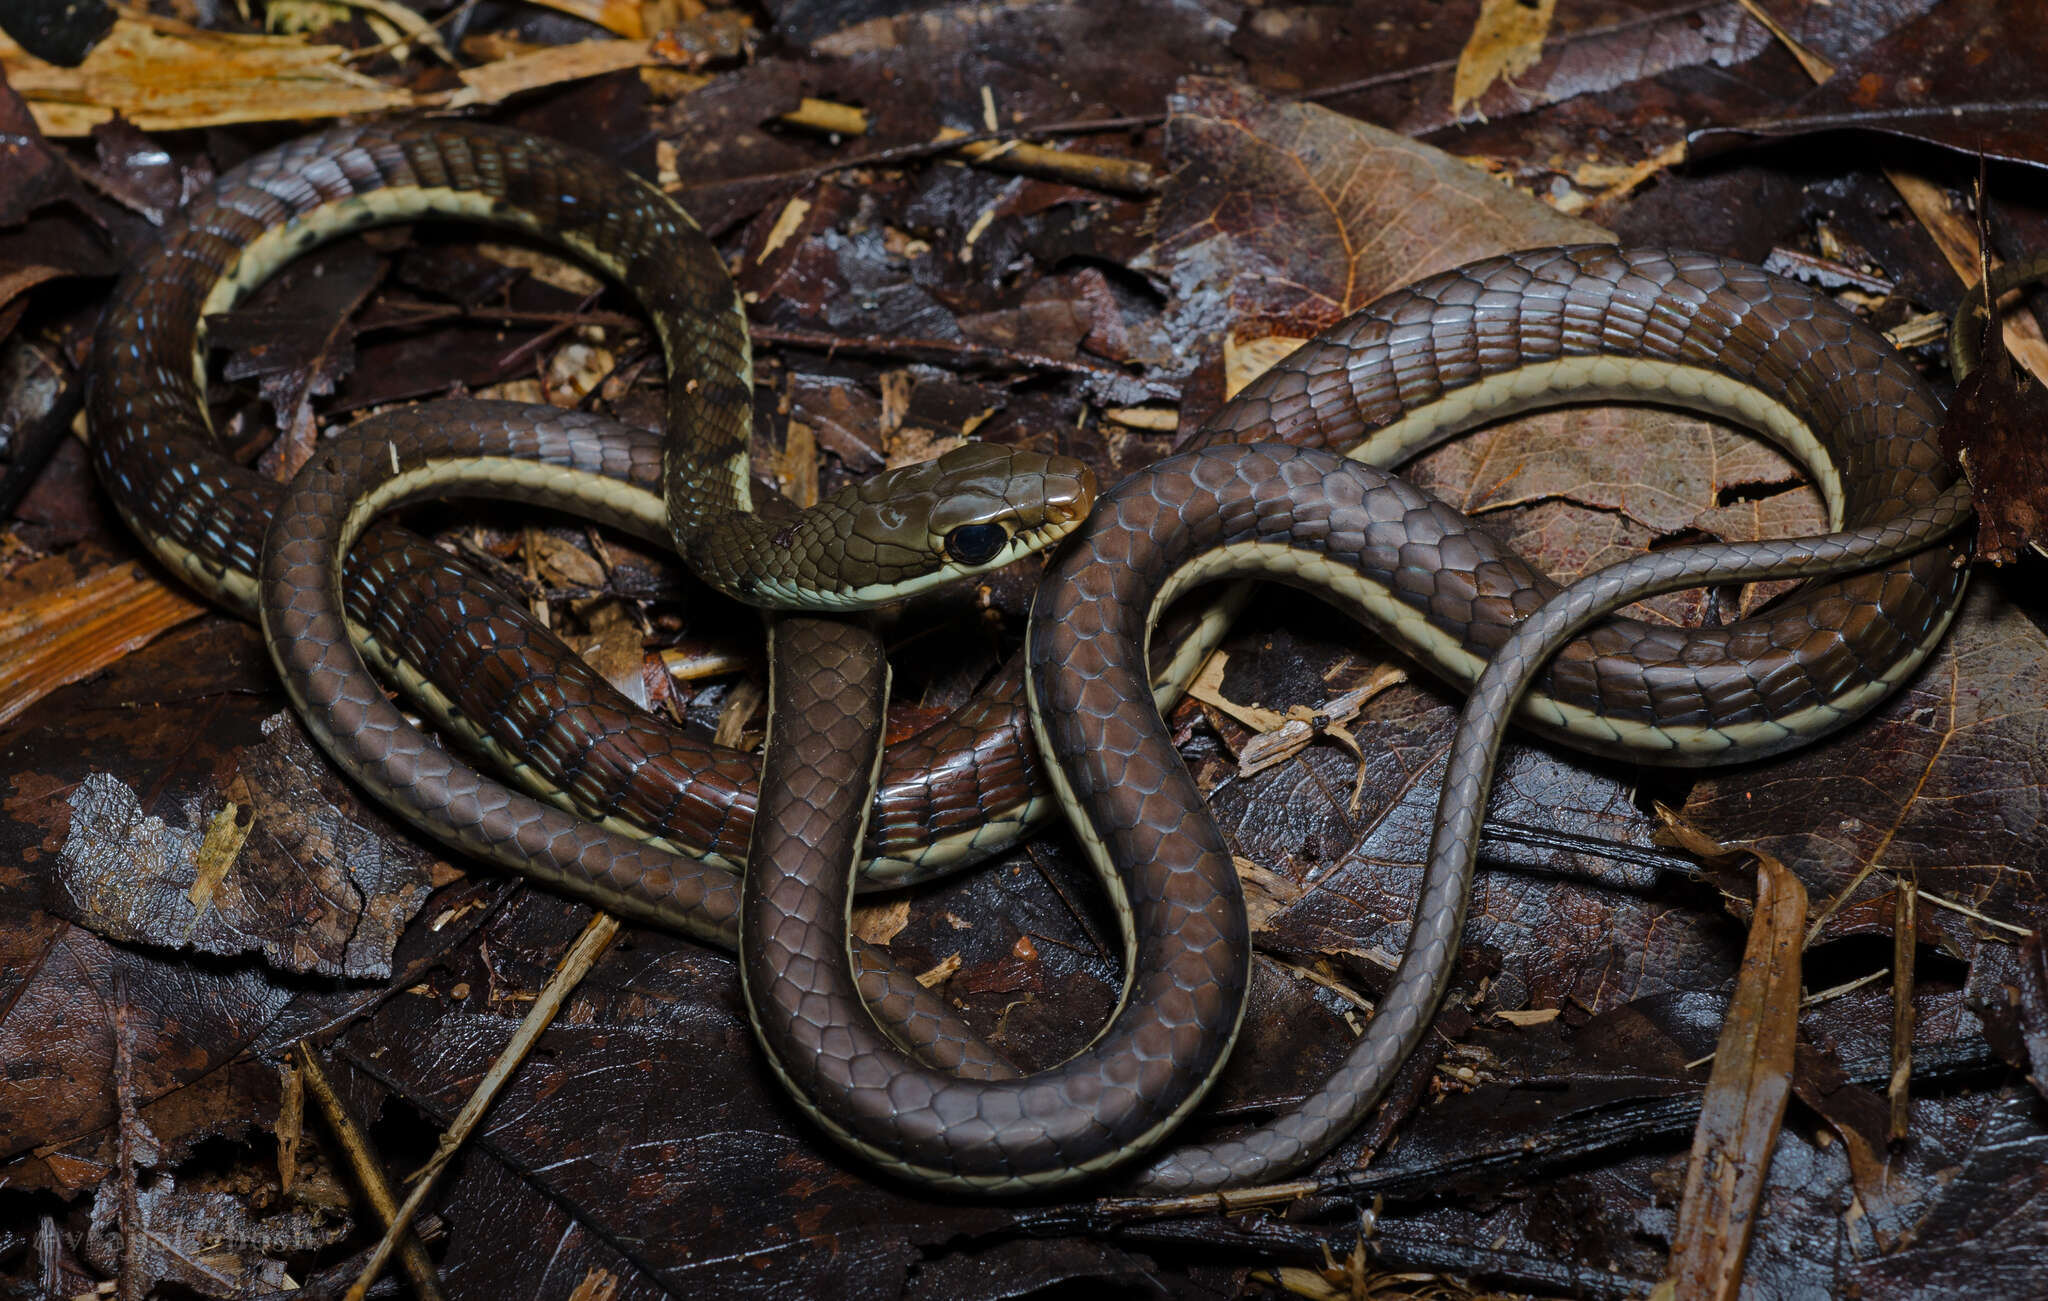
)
(976, 544)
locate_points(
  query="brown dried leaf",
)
(615, 647)
(1746, 1096)
(1995, 431)
(163, 75)
(620, 17)
(1506, 41)
(231, 1102)
(55, 1028)
(75, 630)
(1284, 218)
(562, 563)
(1941, 780)
(493, 83)
(1666, 471)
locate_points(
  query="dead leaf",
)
(164, 75)
(1506, 41)
(1924, 783)
(1746, 1096)
(1286, 217)
(1965, 77)
(71, 632)
(1994, 431)
(315, 891)
(619, 17)
(493, 83)
(31, 172)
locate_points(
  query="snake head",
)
(906, 531)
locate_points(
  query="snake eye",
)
(976, 544)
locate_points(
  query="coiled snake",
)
(1508, 334)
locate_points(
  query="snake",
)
(1531, 329)
(1966, 327)
(1535, 329)
(972, 510)
(204, 515)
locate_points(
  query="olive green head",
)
(906, 531)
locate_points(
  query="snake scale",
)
(1512, 333)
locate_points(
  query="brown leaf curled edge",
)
(1744, 1104)
(1994, 431)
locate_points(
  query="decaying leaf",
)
(1746, 1095)
(73, 631)
(1965, 77)
(1507, 40)
(1995, 431)
(165, 75)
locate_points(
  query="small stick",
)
(369, 1171)
(582, 955)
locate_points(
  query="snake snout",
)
(1069, 492)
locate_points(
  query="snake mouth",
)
(1065, 512)
(1069, 514)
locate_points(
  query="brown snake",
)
(976, 508)
(1531, 329)
(1417, 571)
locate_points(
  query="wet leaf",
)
(1399, 64)
(1994, 432)
(1987, 1218)
(1939, 781)
(205, 1241)
(289, 868)
(31, 173)
(1965, 77)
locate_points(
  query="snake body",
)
(1394, 557)
(1507, 334)
(1538, 328)
(973, 783)
(206, 516)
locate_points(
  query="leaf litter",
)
(1539, 1146)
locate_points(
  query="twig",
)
(369, 1171)
(130, 1286)
(1905, 935)
(962, 350)
(533, 346)
(1972, 913)
(420, 312)
(954, 144)
(589, 946)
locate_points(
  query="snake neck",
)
(787, 562)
